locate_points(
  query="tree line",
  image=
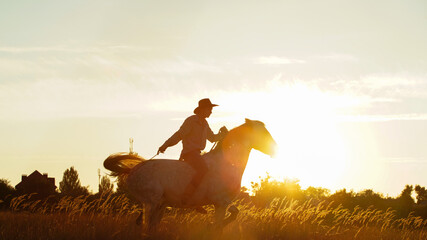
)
(70, 185)
(268, 189)
(263, 194)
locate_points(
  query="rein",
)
(214, 145)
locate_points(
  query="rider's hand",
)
(223, 131)
(162, 149)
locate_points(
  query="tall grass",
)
(113, 217)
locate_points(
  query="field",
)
(113, 217)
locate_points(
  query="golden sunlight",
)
(303, 121)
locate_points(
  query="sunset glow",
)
(342, 92)
(303, 121)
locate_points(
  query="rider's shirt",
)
(193, 132)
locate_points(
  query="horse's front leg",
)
(220, 220)
(234, 211)
(155, 213)
(219, 215)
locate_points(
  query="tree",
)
(70, 184)
(421, 194)
(5, 188)
(368, 198)
(106, 186)
(421, 207)
(317, 193)
(346, 199)
(406, 194)
(405, 201)
(121, 186)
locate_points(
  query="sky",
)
(341, 85)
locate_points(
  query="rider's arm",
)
(212, 137)
(217, 137)
(183, 131)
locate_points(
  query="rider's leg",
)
(198, 163)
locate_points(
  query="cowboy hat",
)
(204, 103)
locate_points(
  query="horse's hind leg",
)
(139, 219)
(155, 214)
(158, 214)
(145, 214)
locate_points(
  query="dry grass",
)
(114, 217)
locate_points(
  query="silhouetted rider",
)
(194, 132)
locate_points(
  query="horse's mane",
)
(219, 145)
(235, 133)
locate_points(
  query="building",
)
(36, 183)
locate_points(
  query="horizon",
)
(342, 89)
(249, 188)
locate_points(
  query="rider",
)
(194, 132)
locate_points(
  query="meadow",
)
(113, 216)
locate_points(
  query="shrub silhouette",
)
(268, 189)
(106, 186)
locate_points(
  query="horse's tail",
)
(120, 164)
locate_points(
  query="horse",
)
(160, 183)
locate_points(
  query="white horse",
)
(161, 182)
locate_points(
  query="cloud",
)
(42, 49)
(103, 82)
(397, 86)
(405, 160)
(59, 98)
(338, 57)
(273, 60)
(379, 81)
(178, 66)
(72, 49)
(106, 67)
(383, 118)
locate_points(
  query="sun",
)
(304, 122)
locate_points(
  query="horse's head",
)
(260, 138)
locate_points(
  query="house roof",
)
(34, 176)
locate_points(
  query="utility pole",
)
(99, 179)
(131, 146)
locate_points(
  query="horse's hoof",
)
(233, 209)
(139, 221)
